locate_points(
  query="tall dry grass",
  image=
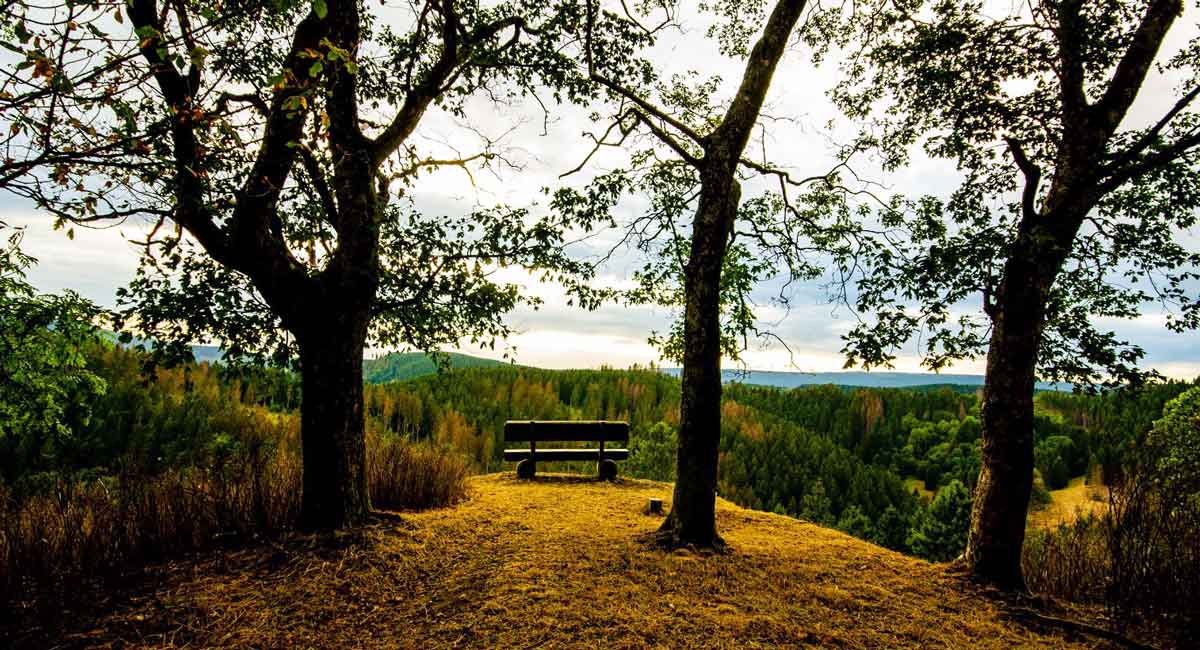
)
(1140, 561)
(1071, 561)
(406, 476)
(74, 531)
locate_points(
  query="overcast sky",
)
(97, 262)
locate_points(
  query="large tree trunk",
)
(998, 516)
(692, 519)
(1001, 504)
(331, 420)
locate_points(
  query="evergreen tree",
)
(891, 531)
(854, 522)
(940, 533)
(816, 506)
(652, 453)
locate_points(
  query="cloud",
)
(539, 147)
(94, 264)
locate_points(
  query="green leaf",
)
(320, 8)
(315, 69)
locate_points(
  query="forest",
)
(837, 455)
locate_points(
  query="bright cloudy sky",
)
(97, 262)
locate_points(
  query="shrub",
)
(1141, 559)
(413, 476)
(1071, 561)
(94, 528)
(1155, 524)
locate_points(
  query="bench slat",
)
(550, 455)
(565, 430)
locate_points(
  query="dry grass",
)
(558, 562)
(1078, 499)
(1071, 561)
(406, 476)
(96, 530)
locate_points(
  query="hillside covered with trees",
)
(399, 366)
(838, 456)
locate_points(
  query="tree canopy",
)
(45, 384)
(225, 126)
(1071, 206)
(272, 146)
(1002, 95)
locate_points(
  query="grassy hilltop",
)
(560, 562)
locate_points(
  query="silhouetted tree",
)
(1069, 210)
(709, 245)
(269, 142)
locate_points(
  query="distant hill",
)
(201, 353)
(919, 380)
(209, 353)
(394, 366)
(399, 366)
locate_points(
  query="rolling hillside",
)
(401, 366)
(558, 562)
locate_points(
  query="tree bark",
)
(692, 520)
(1001, 502)
(331, 420)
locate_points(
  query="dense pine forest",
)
(836, 455)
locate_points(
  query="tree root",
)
(667, 538)
(1027, 615)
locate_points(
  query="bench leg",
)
(608, 470)
(526, 468)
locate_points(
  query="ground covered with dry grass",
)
(1078, 499)
(558, 562)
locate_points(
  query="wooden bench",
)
(535, 431)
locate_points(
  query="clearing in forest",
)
(1068, 504)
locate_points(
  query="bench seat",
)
(556, 431)
(514, 455)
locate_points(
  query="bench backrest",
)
(565, 430)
